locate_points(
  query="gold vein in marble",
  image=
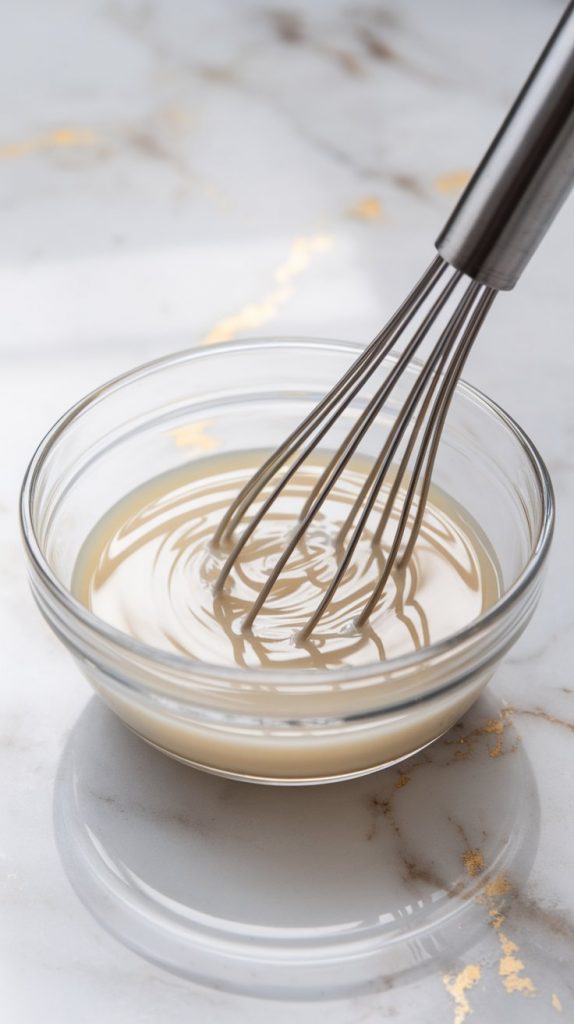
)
(195, 436)
(556, 1004)
(498, 886)
(541, 713)
(473, 861)
(58, 138)
(369, 208)
(510, 967)
(403, 780)
(494, 726)
(457, 985)
(453, 182)
(255, 314)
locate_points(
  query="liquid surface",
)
(148, 569)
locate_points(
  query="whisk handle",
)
(524, 177)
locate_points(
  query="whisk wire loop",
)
(384, 462)
(343, 391)
(427, 454)
(342, 456)
(424, 409)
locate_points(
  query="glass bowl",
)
(282, 726)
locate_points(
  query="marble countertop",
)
(176, 174)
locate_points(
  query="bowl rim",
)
(369, 673)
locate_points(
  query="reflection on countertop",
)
(294, 892)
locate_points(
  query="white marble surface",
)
(171, 173)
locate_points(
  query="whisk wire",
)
(384, 462)
(346, 388)
(340, 459)
(435, 369)
(441, 352)
(371, 411)
(435, 433)
(426, 453)
(420, 420)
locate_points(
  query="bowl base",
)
(261, 780)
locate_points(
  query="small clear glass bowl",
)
(282, 726)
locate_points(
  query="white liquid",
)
(148, 569)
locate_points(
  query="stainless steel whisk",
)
(496, 227)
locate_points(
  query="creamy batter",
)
(148, 568)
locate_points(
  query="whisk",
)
(495, 228)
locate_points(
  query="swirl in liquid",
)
(148, 569)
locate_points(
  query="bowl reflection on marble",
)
(287, 726)
(249, 888)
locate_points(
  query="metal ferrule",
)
(524, 177)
